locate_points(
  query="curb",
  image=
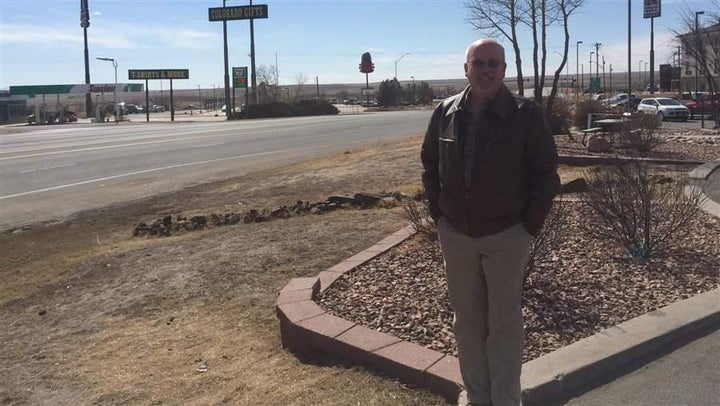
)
(564, 371)
(587, 160)
(307, 329)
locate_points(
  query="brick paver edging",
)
(307, 328)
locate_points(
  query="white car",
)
(665, 108)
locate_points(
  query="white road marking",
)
(46, 168)
(208, 145)
(85, 182)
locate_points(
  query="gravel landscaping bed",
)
(586, 285)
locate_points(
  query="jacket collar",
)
(501, 105)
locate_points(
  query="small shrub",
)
(584, 108)
(550, 236)
(637, 207)
(560, 117)
(417, 211)
(640, 133)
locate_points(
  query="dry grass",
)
(98, 317)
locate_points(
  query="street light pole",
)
(398, 60)
(413, 90)
(640, 73)
(590, 69)
(697, 50)
(115, 65)
(577, 67)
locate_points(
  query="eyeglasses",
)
(490, 63)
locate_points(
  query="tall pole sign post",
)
(85, 23)
(652, 9)
(225, 14)
(367, 67)
(158, 74)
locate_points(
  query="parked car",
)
(133, 108)
(665, 108)
(365, 103)
(158, 108)
(620, 101)
(703, 102)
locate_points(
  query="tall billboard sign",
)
(651, 8)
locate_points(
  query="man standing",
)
(490, 174)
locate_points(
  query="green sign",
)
(238, 12)
(31, 91)
(142, 74)
(594, 84)
(240, 77)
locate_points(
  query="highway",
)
(48, 173)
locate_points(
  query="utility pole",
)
(603, 85)
(597, 64)
(590, 69)
(697, 49)
(577, 68)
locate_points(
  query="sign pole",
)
(147, 102)
(227, 75)
(652, 55)
(172, 103)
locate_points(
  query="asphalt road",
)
(688, 376)
(49, 173)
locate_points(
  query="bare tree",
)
(268, 89)
(564, 8)
(499, 17)
(701, 44)
(300, 80)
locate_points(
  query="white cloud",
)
(112, 36)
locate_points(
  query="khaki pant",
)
(485, 279)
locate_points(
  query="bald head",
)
(484, 42)
(485, 69)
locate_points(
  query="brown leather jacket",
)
(514, 174)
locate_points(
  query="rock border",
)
(307, 329)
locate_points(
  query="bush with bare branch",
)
(417, 211)
(550, 236)
(637, 207)
(639, 134)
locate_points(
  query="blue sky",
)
(41, 41)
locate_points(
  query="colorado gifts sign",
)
(153, 74)
(238, 12)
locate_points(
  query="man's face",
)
(485, 70)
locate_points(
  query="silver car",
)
(665, 108)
